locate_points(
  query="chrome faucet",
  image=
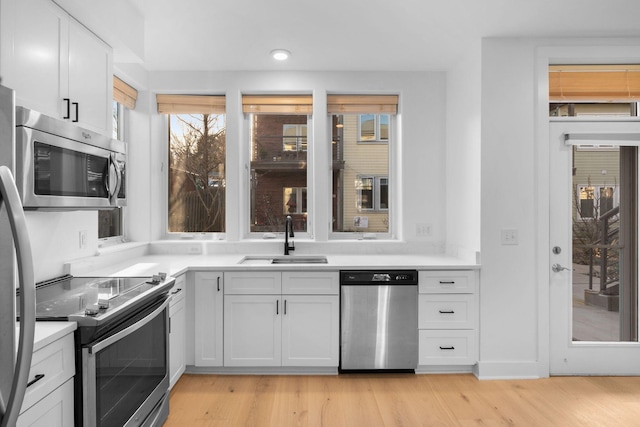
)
(288, 232)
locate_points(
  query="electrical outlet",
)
(195, 249)
(82, 239)
(424, 230)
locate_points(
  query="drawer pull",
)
(447, 348)
(177, 291)
(35, 380)
(446, 312)
(447, 282)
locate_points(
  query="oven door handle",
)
(131, 329)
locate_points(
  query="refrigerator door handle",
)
(9, 195)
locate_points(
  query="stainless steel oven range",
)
(122, 353)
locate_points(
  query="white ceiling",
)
(360, 34)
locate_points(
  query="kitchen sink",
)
(265, 259)
(300, 260)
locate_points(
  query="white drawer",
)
(446, 311)
(447, 347)
(311, 282)
(56, 362)
(177, 292)
(253, 283)
(54, 410)
(447, 282)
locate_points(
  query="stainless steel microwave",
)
(62, 166)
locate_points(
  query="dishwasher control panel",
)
(389, 277)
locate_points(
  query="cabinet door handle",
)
(75, 104)
(447, 348)
(285, 307)
(35, 380)
(218, 283)
(447, 282)
(277, 307)
(68, 115)
(177, 291)
(446, 311)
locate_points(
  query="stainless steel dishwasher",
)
(379, 320)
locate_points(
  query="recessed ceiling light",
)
(280, 54)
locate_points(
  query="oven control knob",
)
(92, 309)
(103, 303)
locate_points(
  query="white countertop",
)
(48, 332)
(176, 264)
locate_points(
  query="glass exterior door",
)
(593, 259)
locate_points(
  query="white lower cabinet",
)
(49, 401)
(177, 330)
(54, 410)
(447, 318)
(208, 291)
(280, 329)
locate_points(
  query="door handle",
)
(557, 268)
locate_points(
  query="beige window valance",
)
(374, 104)
(191, 104)
(277, 104)
(124, 93)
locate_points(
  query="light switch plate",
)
(509, 236)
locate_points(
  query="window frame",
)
(375, 193)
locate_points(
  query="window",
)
(595, 201)
(278, 173)
(111, 221)
(197, 156)
(594, 90)
(361, 140)
(373, 127)
(372, 193)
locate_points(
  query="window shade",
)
(297, 104)
(124, 94)
(191, 104)
(374, 104)
(607, 83)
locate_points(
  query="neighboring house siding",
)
(369, 159)
(589, 166)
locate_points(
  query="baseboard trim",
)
(507, 370)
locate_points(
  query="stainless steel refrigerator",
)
(16, 272)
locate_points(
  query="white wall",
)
(508, 308)
(514, 296)
(55, 239)
(463, 156)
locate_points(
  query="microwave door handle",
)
(118, 178)
(113, 179)
(9, 196)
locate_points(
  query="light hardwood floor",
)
(366, 400)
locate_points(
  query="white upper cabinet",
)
(55, 65)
